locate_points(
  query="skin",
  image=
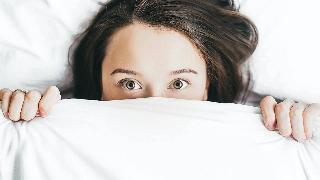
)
(18, 105)
(155, 54)
(290, 118)
(162, 51)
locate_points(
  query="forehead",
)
(142, 46)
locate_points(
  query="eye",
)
(129, 84)
(179, 84)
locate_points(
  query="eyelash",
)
(187, 81)
(122, 82)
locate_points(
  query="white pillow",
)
(286, 63)
(152, 139)
(34, 39)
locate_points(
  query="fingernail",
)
(309, 135)
(43, 113)
(302, 139)
(269, 126)
(266, 125)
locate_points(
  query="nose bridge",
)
(155, 92)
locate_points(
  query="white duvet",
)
(150, 139)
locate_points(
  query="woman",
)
(189, 49)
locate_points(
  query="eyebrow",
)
(124, 71)
(180, 71)
(131, 72)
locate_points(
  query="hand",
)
(290, 118)
(18, 105)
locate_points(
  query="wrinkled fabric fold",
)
(152, 138)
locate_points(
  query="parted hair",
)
(223, 36)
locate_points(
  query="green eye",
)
(179, 84)
(129, 84)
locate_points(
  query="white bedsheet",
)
(150, 139)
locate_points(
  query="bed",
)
(152, 138)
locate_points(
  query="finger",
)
(15, 106)
(5, 96)
(50, 97)
(2, 91)
(310, 114)
(267, 106)
(297, 121)
(30, 105)
(283, 117)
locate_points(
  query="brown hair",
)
(224, 37)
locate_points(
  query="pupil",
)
(177, 84)
(130, 85)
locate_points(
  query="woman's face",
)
(143, 61)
